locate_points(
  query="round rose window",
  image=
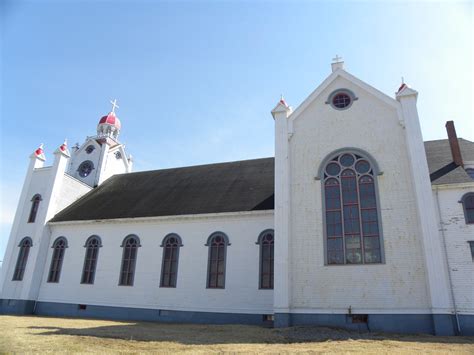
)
(341, 100)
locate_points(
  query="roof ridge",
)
(194, 166)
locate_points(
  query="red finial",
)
(403, 86)
(39, 151)
(63, 146)
(283, 102)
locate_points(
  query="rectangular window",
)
(471, 244)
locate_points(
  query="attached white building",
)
(355, 223)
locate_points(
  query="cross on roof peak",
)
(337, 59)
(114, 105)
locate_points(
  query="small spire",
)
(282, 101)
(402, 86)
(39, 151)
(63, 146)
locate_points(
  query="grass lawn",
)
(44, 334)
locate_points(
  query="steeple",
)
(109, 126)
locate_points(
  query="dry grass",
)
(43, 335)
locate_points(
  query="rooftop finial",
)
(40, 152)
(63, 146)
(337, 59)
(402, 86)
(282, 101)
(337, 63)
(114, 105)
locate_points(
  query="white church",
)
(355, 223)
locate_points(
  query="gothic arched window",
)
(25, 245)
(35, 201)
(92, 246)
(59, 247)
(217, 244)
(266, 242)
(129, 259)
(351, 213)
(468, 205)
(169, 268)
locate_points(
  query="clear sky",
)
(196, 80)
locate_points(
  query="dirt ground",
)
(46, 335)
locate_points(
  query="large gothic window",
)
(90, 260)
(59, 247)
(266, 242)
(352, 226)
(169, 267)
(35, 201)
(217, 244)
(129, 259)
(25, 245)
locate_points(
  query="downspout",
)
(447, 260)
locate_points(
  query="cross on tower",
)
(114, 105)
(337, 59)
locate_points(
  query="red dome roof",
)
(111, 119)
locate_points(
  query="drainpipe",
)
(447, 260)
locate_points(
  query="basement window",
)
(359, 318)
(164, 313)
(268, 317)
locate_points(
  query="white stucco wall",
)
(241, 293)
(398, 285)
(71, 190)
(457, 234)
(39, 184)
(114, 165)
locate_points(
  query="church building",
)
(355, 223)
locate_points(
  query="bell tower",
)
(102, 155)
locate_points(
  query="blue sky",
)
(196, 80)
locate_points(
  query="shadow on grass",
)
(197, 334)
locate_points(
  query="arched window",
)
(25, 245)
(59, 247)
(129, 259)
(217, 244)
(266, 242)
(351, 215)
(468, 205)
(35, 201)
(169, 268)
(90, 260)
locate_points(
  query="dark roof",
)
(438, 154)
(226, 187)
